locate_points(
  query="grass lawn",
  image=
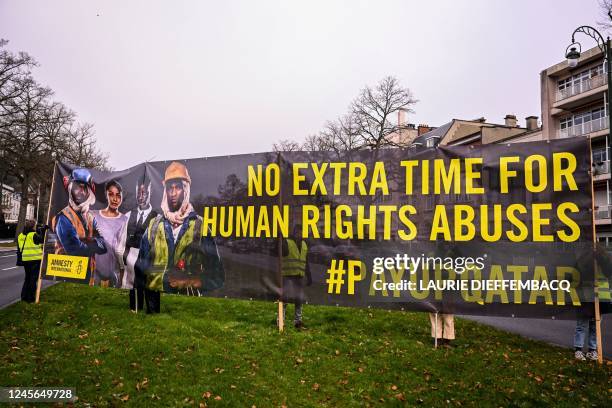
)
(221, 352)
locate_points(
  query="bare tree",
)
(13, 68)
(22, 139)
(286, 145)
(36, 131)
(605, 7)
(369, 124)
(342, 135)
(375, 108)
(82, 150)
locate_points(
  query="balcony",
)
(601, 170)
(602, 214)
(581, 87)
(584, 129)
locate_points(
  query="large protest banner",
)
(490, 230)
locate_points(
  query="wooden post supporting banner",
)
(39, 281)
(436, 332)
(281, 317)
(598, 322)
(595, 267)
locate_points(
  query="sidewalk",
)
(556, 332)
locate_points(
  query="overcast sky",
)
(179, 79)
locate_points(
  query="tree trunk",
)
(23, 206)
(45, 201)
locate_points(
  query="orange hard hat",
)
(177, 170)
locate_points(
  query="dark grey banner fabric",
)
(488, 230)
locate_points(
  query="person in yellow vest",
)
(295, 271)
(175, 255)
(75, 227)
(603, 277)
(30, 245)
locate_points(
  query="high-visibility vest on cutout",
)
(31, 251)
(294, 264)
(161, 255)
(84, 232)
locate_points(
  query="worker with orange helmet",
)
(176, 255)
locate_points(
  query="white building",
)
(10, 205)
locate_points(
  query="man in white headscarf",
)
(75, 226)
(174, 255)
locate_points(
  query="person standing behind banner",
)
(442, 324)
(442, 328)
(174, 255)
(585, 326)
(30, 245)
(295, 268)
(111, 224)
(75, 226)
(138, 219)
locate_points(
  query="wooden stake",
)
(39, 282)
(281, 317)
(436, 332)
(598, 323)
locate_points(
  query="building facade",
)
(574, 104)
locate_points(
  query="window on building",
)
(599, 155)
(566, 122)
(565, 83)
(431, 142)
(581, 81)
(584, 122)
(597, 70)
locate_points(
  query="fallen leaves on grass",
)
(142, 384)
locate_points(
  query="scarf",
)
(177, 217)
(82, 208)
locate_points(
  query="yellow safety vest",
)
(30, 251)
(603, 287)
(161, 255)
(294, 264)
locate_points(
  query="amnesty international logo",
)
(66, 266)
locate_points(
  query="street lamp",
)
(572, 60)
(573, 55)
